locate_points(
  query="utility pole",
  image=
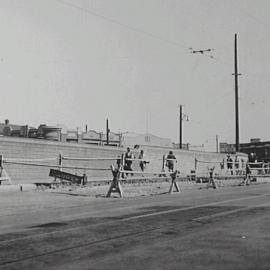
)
(217, 143)
(180, 126)
(236, 74)
(107, 132)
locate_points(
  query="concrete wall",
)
(38, 149)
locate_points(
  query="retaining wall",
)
(38, 149)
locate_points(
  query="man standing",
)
(230, 164)
(236, 165)
(143, 162)
(170, 161)
(128, 161)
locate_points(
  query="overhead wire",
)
(131, 28)
(141, 31)
(253, 17)
(158, 37)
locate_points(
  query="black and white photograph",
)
(134, 135)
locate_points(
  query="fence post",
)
(122, 161)
(163, 166)
(84, 180)
(196, 161)
(163, 163)
(1, 165)
(60, 163)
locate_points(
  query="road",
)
(228, 228)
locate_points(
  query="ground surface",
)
(220, 229)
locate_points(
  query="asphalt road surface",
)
(228, 228)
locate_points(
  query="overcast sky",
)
(77, 62)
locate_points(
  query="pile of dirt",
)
(145, 188)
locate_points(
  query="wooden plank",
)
(65, 176)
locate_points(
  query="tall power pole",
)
(236, 74)
(180, 126)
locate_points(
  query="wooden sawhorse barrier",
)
(3, 174)
(246, 180)
(212, 182)
(116, 187)
(174, 183)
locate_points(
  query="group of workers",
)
(129, 157)
(236, 165)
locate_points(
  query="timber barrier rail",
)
(204, 170)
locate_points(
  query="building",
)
(63, 134)
(99, 138)
(8, 129)
(227, 148)
(188, 146)
(147, 139)
(255, 149)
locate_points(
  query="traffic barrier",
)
(212, 183)
(3, 174)
(246, 180)
(116, 187)
(56, 166)
(174, 183)
(211, 173)
(60, 159)
(68, 177)
(220, 170)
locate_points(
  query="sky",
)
(78, 62)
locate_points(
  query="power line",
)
(250, 15)
(146, 33)
(131, 28)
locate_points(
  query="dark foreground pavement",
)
(220, 229)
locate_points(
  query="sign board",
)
(66, 176)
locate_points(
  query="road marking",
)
(193, 207)
(79, 215)
(133, 218)
(123, 236)
(231, 212)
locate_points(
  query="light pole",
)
(180, 127)
(182, 117)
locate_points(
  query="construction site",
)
(167, 161)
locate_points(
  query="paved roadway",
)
(220, 229)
